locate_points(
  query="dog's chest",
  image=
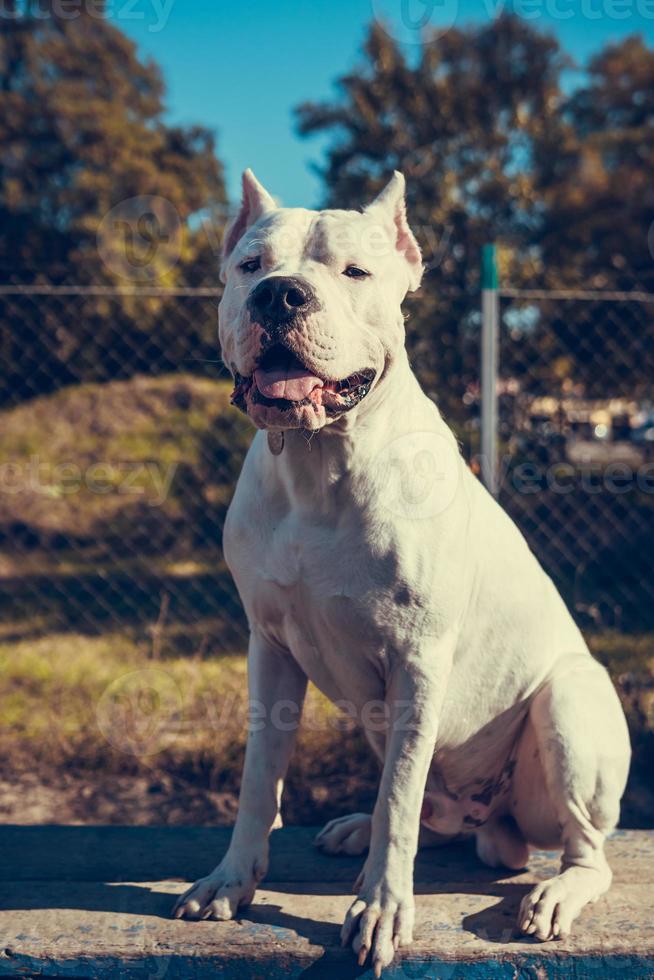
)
(339, 598)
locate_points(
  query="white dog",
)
(370, 560)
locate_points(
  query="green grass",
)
(87, 455)
(112, 496)
(621, 653)
(120, 631)
(630, 662)
(104, 706)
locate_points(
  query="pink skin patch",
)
(426, 810)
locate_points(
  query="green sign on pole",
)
(490, 320)
(489, 279)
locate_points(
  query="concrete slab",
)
(80, 902)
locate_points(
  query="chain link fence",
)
(119, 452)
(118, 456)
(576, 444)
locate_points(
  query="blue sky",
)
(240, 68)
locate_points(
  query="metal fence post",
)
(490, 320)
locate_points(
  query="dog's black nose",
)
(280, 298)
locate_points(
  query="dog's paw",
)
(548, 910)
(347, 835)
(377, 925)
(219, 895)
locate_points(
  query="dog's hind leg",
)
(346, 835)
(500, 844)
(570, 775)
(351, 835)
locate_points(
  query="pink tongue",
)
(291, 383)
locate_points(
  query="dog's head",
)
(310, 319)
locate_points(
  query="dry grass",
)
(86, 454)
(153, 709)
(112, 498)
(101, 709)
(154, 695)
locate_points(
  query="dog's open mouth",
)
(282, 381)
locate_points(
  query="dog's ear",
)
(255, 201)
(392, 205)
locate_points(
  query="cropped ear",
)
(255, 201)
(391, 203)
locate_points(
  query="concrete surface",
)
(86, 902)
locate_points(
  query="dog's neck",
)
(312, 466)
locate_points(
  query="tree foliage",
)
(84, 148)
(600, 196)
(494, 149)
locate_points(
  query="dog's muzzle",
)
(282, 390)
(282, 381)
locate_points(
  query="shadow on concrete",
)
(495, 924)
(74, 868)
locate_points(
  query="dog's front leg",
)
(276, 687)
(381, 918)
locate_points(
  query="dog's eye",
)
(250, 265)
(354, 272)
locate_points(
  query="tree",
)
(494, 150)
(95, 189)
(464, 123)
(597, 230)
(600, 200)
